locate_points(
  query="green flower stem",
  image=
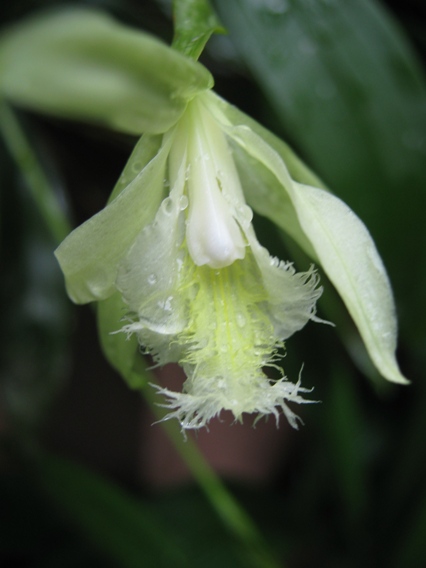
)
(31, 170)
(231, 513)
(194, 23)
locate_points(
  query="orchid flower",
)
(177, 242)
(173, 259)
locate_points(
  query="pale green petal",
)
(145, 150)
(265, 195)
(344, 248)
(229, 115)
(262, 191)
(90, 255)
(349, 256)
(81, 64)
(229, 341)
(148, 276)
(292, 295)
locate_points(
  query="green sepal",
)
(106, 237)
(261, 189)
(194, 22)
(81, 64)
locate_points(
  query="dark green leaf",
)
(346, 439)
(118, 524)
(412, 551)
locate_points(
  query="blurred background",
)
(85, 480)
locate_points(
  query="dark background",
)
(348, 489)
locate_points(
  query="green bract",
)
(175, 247)
(81, 64)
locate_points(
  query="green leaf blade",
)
(122, 527)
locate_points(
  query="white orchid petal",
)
(213, 235)
(148, 276)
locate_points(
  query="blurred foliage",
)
(34, 326)
(344, 83)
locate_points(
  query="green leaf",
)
(194, 22)
(81, 64)
(411, 552)
(345, 434)
(119, 525)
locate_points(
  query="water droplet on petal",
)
(136, 167)
(245, 215)
(183, 202)
(167, 206)
(152, 279)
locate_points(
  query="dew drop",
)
(183, 202)
(136, 167)
(246, 215)
(167, 206)
(152, 279)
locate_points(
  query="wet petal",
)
(90, 255)
(292, 295)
